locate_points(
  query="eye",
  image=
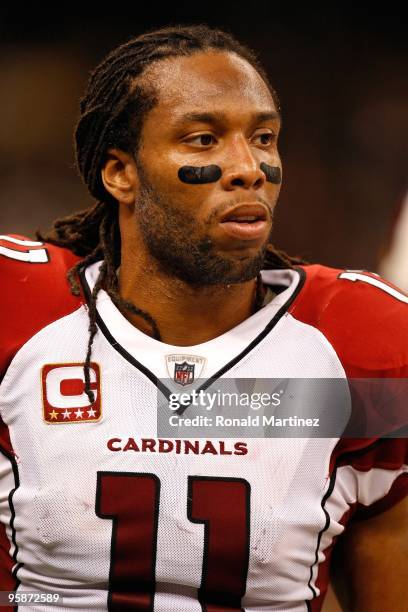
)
(203, 140)
(265, 138)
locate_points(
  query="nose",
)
(242, 168)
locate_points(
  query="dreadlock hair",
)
(112, 111)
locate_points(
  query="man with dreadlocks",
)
(169, 278)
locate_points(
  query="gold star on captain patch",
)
(53, 414)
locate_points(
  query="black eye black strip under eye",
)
(198, 175)
(272, 173)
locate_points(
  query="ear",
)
(119, 176)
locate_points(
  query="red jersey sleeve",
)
(35, 291)
(365, 319)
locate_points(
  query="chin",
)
(243, 268)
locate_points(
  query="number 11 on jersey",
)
(132, 501)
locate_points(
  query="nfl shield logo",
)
(184, 373)
(184, 369)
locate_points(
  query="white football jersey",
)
(99, 508)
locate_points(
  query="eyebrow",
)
(219, 117)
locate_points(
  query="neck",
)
(185, 315)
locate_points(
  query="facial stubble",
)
(181, 248)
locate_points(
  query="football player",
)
(171, 276)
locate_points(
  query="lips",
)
(245, 213)
(245, 222)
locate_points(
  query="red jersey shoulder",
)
(35, 290)
(364, 317)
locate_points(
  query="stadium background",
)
(341, 76)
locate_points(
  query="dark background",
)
(341, 76)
